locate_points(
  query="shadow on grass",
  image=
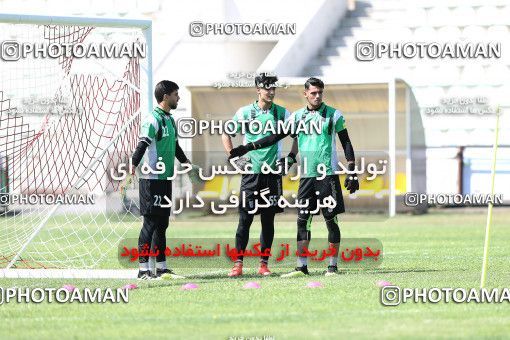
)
(389, 270)
(221, 276)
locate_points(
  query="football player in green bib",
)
(158, 143)
(263, 112)
(318, 157)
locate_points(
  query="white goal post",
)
(66, 120)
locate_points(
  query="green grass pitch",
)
(441, 249)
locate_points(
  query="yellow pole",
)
(489, 210)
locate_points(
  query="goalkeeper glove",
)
(242, 150)
(193, 174)
(351, 183)
(242, 162)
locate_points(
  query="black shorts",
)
(256, 183)
(313, 190)
(152, 193)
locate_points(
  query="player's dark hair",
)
(314, 82)
(266, 81)
(164, 87)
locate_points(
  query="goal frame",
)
(146, 27)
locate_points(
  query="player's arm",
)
(148, 132)
(351, 183)
(348, 148)
(227, 143)
(259, 144)
(263, 142)
(143, 144)
(179, 153)
(136, 158)
(294, 150)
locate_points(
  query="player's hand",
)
(126, 183)
(239, 151)
(193, 174)
(241, 162)
(351, 183)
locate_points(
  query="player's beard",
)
(316, 103)
(173, 106)
(268, 100)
